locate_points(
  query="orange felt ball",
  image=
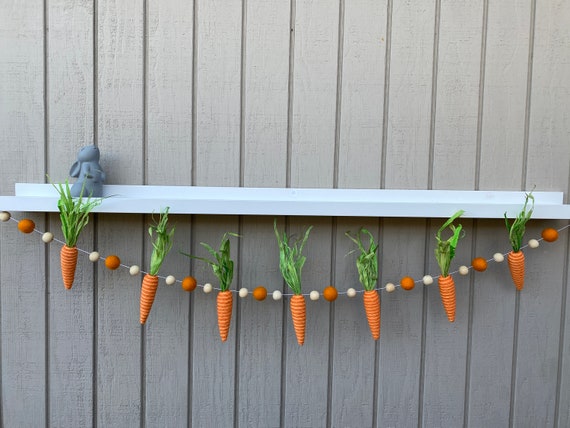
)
(549, 234)
(407, 283)
(479, 264)
(259, 293)
(112, 262)
(330, 293)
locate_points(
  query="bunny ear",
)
(75, 169)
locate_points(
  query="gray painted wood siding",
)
(393, 94)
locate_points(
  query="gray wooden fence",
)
(394, 94)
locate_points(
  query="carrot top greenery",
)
(73, 212)
(517, 228)
(223, 265)
(367, 261)
(445, 249)
(291, 260)
(161, 241)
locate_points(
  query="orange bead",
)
(479, 264)
(407, 283)
(26, 225)
(112, 262)
(259, 293)
(189, 283)
(330, 293)
(549, 234)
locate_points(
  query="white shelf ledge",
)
(297, 202)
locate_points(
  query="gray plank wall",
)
(422, 94)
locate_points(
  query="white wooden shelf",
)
(297, 202)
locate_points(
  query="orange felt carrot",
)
(148, 292)
(372, 309)
(68, 260)
(74, 216)
(291, 262)
(447, 292)
(444, 253)
(223, 268)
(224, 307)
(516, 231)
(299, 316)
(161, 245)
(367, 266)
(516, 267)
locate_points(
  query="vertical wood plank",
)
(70, 73)
(120, 131)
(266, 79)
(22, 274)
(504, 100)
(504, 92)
(213, 376)
(409, 111)
(315, 60)
(218, 27)
(353, 351)
(169, 161)
(314, 93)
(402, 243)
(362, 94)
(266, 93)
(218, 120)
(548, 166)
(307, 368)
(457, 95)
(454, 166)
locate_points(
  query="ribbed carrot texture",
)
(299, 315)
(68, 260)
(224, 306)
(372, 309)
(447, 292)
(148, 291)
(516, 266)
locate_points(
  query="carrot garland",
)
(444, 253)
(367, 266)
(74, 216)
(223, 268)
(291, 262)
(516, 231)
(161, 245)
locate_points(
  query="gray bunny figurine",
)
(90, 175)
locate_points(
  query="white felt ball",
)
(463, 270)
(47, 237)
(94, 256)
(390, 287)
(314, 295)
(243, 292)
(351, 292)
(134, 270)
(170, 279)
(277, 295)
(4, 216)
(208, 288)
(533, 243)
(498, 257)
(428, 280)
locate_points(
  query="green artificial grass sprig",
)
(517, 228)
(445, 249)
(367, 261)
(73, 212)
(223, 265)
(161, 243)
(291, 260)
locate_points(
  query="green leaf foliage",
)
(517, 228)
(291, 260)
(367, 261)
(73, 212)
(222, 265)
(161, 241)
(445, 249)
